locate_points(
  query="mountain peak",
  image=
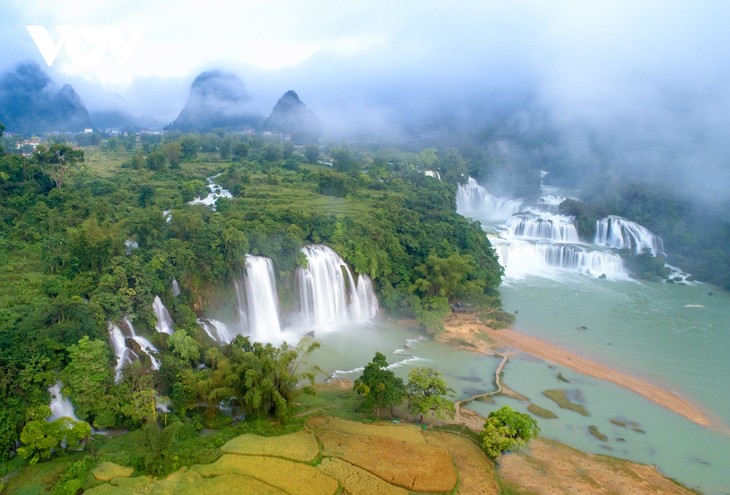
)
(217, 100)
(291, 116)
(30, 103)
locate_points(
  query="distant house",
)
(28, 146)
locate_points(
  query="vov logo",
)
(86, 45)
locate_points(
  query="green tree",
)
(88, 376)
(311, 153)
(379, 386)
(42, 439)
(507, 429)
(426, 391)
(57, 160)
(184, 346)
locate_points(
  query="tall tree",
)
(426, 391)
(379, 386)
(57, 160)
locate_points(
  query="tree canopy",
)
(507, 429)
(378, 386)
(427, 391)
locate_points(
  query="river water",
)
(578, 296)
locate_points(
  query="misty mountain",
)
(31, 103)
(217, 100)
(291, 116)
(125, 121)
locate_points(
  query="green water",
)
(676, 336)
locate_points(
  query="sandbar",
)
(468, 330)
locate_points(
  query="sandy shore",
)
(465, 329)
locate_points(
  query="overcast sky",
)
(659, 69)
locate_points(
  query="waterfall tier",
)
(521, 258)
(258, 305)
(216, 330)
(329, 295)
(617, 232)
(164, 320)
(543, 225)
(474, 201)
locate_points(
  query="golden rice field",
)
(405, 432)
(476, 472)
(292, 477)
(415, 466)
(357, 481)
(300, 446)
(349, 458)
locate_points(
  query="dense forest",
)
(92, 231)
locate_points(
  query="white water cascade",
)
(144, 345)
(60, 406)
(164, 320)
(543, 225)
(124, 354)
(473, 200)
(216, 192)
(175, 288)
(617, 232)
(258, 305)
(328, 293)
(216, 330)
(536, 242)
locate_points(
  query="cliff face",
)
(291, 116)
(30, 103)
(217, 100)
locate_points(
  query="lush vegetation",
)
(507, 429)
(695, 235)
(89, 236)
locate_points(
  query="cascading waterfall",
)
(175, 288)
(432, 173)
(617, 232)
(124, 354)
(521, 258)
(328, 293)
(474, 201)
(144, 345)
(258, 305)
(216, 330)
(60, 406)
(544, 225)
(536, 241)
(164, 320)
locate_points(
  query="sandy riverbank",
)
(462, 328)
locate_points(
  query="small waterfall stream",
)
(164, 320)
(60, 406)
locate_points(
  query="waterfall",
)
(616, 232)
(473, 200)
(258, 305)
(521, 258)
(145, 345)
(216, 330)
(175, 288)
(60, 406)
(119, 344)
(164, 320)
(432, 173)
(543, 225)
(216, 192)
(328, 293)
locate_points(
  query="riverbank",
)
(467, 332)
